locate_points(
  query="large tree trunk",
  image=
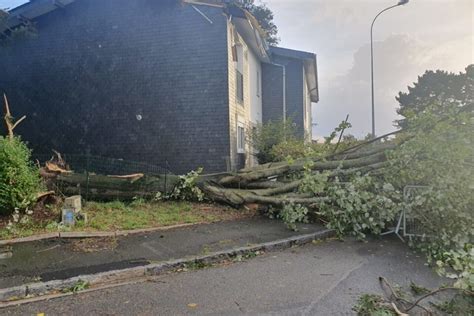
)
(270, 184)
(101, 187)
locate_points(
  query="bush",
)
(19, 178)
(265, 136)
(287, 150)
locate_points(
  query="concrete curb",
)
(98, 234)
(14, 295)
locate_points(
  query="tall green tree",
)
(7, 34)
(264, 16)
(437, 87)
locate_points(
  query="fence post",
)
(87, 174)
(166, 177)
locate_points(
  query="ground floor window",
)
(240, 138)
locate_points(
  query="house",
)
(176, 83)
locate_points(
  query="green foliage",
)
(277, 141)
(459, 265)
(313, 182)
(265, 136)
(288, 150)
(341, 127)
(460, 304)
(19, 178)
(78, 287)
(436, 87)
(7, 35)
(264, 16)
(187, 189)
(438, 153)
(360, 206)
(292, 213)
(372, 305)
(417, 289)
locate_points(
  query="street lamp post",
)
(401, 2)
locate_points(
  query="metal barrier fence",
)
(407, 222)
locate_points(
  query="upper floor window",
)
(240, 86)
(259, 84)
(239, 70)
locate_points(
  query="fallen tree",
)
(270, 184)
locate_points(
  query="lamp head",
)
(402, 2)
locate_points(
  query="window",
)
(240, 86)
(240, 138)
(239, 78)
(259, 83)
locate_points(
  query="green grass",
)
(120, 216)
(114, 216)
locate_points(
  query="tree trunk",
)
(270, 184)
(109, 188)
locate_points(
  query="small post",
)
(9, 119)
(87, 174)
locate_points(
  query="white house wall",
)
(248, 113)
(255, 79)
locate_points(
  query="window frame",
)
(241, 141)
(239, 90)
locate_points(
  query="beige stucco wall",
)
(248, 113)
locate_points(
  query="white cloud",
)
(424, 34)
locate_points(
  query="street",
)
(318, 279)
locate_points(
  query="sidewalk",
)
(58, 259)
(316, 279)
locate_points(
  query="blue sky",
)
(10, 3)
(424, 34)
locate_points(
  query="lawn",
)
(115, 216)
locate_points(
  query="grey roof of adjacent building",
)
(310, 65)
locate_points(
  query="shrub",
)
(265, 136)
(19, 178)
(288, 150)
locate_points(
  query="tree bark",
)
(111, 187)
(270, 184)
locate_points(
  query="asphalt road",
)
(317, 279)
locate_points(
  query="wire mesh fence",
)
(89, 165)
(106, 165)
